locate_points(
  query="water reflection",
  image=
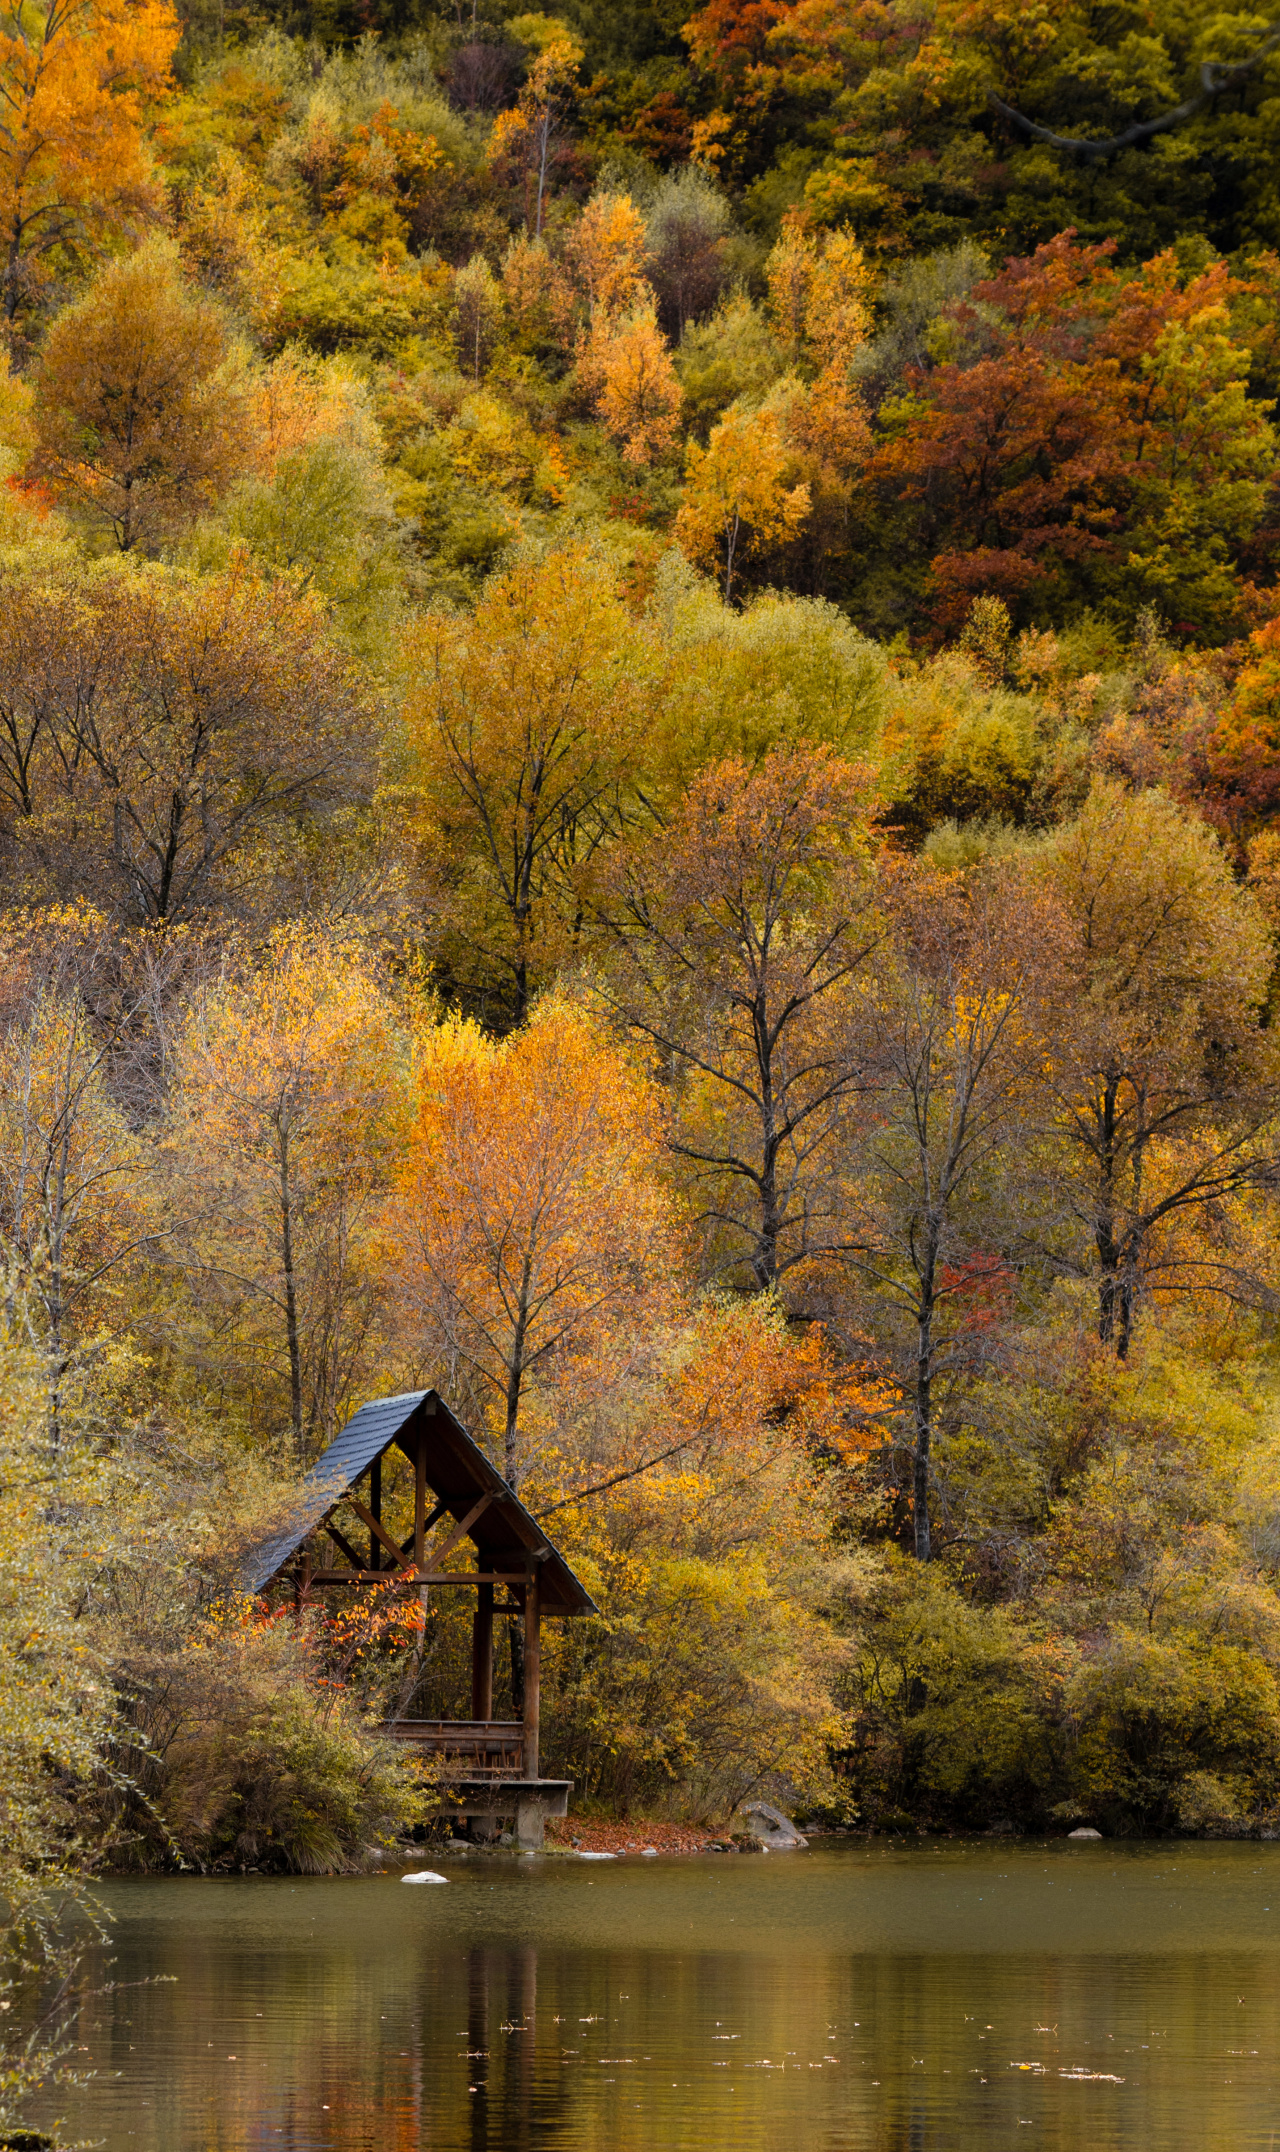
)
(877, 2000)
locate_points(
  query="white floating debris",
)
(597, 1856)
(424, 1875)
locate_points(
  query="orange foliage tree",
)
(624, 360)
(530, 1212)
(638, 396)
(1236, 766)
(607, 248)
(142, 409)
(1092, 435)
(75, 76)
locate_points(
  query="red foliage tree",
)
(1036, 450)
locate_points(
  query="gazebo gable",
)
(457, 1488)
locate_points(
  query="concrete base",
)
(529, 1801)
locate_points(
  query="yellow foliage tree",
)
(738, 933)
(818, 294)
(525, 135)
(711, 1664)
(56, 1708)
(1162, 1074)
(818, 300)
(477, 314)
(152, 731)
(286, 1110)
(75, 1200)
(74, 79)
(608, 248)
(220, 224)
(736, 498)
(522, 727)
(538, 295)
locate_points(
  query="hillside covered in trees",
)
(639, 706)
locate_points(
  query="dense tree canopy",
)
(639, 713)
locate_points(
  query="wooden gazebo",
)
(489, 1766)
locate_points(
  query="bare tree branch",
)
(1215, 77)
(602, 1486)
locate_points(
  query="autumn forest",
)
(640, 779)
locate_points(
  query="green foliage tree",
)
(56, 1708)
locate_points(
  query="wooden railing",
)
(478, 1748)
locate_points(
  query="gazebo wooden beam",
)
(366, 1516)
(420, 1576)
(342, 1543)
(440, 1555)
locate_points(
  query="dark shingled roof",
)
(458, 1472)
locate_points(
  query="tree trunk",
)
(523, 866)
(515, 1377)
(730, 547)
(543, 147)
(290, 1290)
(11, 271)
(1115, 1319)
(766, 1262)
(922, 1417)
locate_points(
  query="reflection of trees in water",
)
(525, 2094)
(504, 2053)
(373, 2027)
(541, 2022)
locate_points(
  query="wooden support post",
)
(532, 1669)
(420, 1539)
(482, 1655)
(420, 1505)
(375, 1510)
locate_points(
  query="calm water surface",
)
(1068, 1998)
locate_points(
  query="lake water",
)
(1070, 1998)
